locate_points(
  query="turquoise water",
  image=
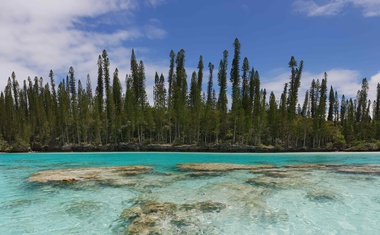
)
(352, 204)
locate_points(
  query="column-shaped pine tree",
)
(235, 80)
(222, 99)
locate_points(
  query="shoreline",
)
(180, 148)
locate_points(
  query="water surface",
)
(313, 202)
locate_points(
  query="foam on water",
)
(308, 202)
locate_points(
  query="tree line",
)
(41, 113)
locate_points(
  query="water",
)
(308, 202)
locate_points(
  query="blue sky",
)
(340, 37)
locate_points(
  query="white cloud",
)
(153, 30)
(311, 8)
(39, 35)
(370, 8)
(155, 3)
(372, 83)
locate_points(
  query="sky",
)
(340, 37)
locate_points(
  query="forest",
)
(36, 114)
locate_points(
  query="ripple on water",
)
(83, 209)
(314, 200)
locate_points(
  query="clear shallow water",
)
(315, 202)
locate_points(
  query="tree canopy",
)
(36, 113)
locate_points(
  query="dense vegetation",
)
(36, 113)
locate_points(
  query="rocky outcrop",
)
(204, 174)
(268, 182)
(115, 175)
(209, 167)
(321, 195)
(289, 170)
(369, 169)
(312, 166)
(152, 217)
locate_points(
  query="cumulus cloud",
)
(39, 35)
(369, 8)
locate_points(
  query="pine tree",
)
(245, 88)
(272, 118)
(294, 85)
(159, 94)
(82, 111)
(207, 122)
(235, 77)
(320, 119)
(2, 119)
(106, 70)
(129, 107)
(171, 77)
(283, 116)
(180, 96)
(222, 82)
(235, 80)
(331, 104)
(200, 74)
(117, 101)
(117, 92)
(63, 113)
(257, 109)
(10, 114)
(362, 96)
(210, 84)
(348, 128)
(336, 108)
(54, 101)
(100, 86)
(343, 109)
(72, 84)
(15, 88)
(142, 96)
(89, 89)
(305, 113)
(305, 105)
(74, 107)
(376, 109)
(91, 113)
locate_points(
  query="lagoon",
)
(308, 201)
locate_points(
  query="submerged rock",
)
(265, 170)
(152, 217)
(131, 213)
(209, 206)
(370, 169)
(109, 175)
(312, 166)
(204, 174)
(220, 167)
(156, 207)
(271, 217)
(321, 195)
(276, 174)
(82, 209)
(277, 182)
